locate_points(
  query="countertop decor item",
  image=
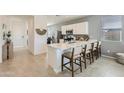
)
(120, 58)
(8, 39)
(82, 37)
(41, 32)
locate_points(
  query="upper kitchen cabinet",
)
(74, 28)
(81, 28)
(78, 28)
(67, 28)
(70, 27)
(63, 28)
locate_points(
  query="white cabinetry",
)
(78, 28)
(63, 28)
(81, 28)
(74, 28)
(69, 27)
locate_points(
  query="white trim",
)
(19, 47)
(120, 40)
(112, 41)
(108, 56)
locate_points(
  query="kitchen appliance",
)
(69, 36)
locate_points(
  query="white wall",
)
(17, 26)
(1, 37)
(40, 41)
(1, 47)
(30, 25)
(10, 22)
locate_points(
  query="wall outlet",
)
(108, 51)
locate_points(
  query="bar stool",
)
(72, 56)
(99, 49)
(86, 54)
(91, 46)
(95, 50)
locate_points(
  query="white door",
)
(19, 34)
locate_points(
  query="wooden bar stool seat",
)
(69, 55)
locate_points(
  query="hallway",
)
(24, 64)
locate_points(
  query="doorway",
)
(20, 37)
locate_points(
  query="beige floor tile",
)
(25, 64)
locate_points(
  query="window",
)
(111, 28)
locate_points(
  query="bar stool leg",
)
(80, 65)
(90, 57)
(96, 54)
(85, 64)
(62, 63)
(70, 64)
(100, 52)
(72, 68)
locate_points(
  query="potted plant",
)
(8, 35)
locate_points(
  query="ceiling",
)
(55, 19)
(111, 19)
(52, 19)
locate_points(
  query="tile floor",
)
(25, 64)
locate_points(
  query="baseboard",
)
(108, 56)
(16, 47)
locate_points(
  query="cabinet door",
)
(74, 28)
(85, 27)
(63, 28)
(69, 27)
(82, 28)
(79, 28)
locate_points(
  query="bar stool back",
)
(77, 50)
(86, 54)
(95, 49)
(92, 46)
(89, 52)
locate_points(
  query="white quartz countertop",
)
(64, 46)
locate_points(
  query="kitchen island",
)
(56, 50)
